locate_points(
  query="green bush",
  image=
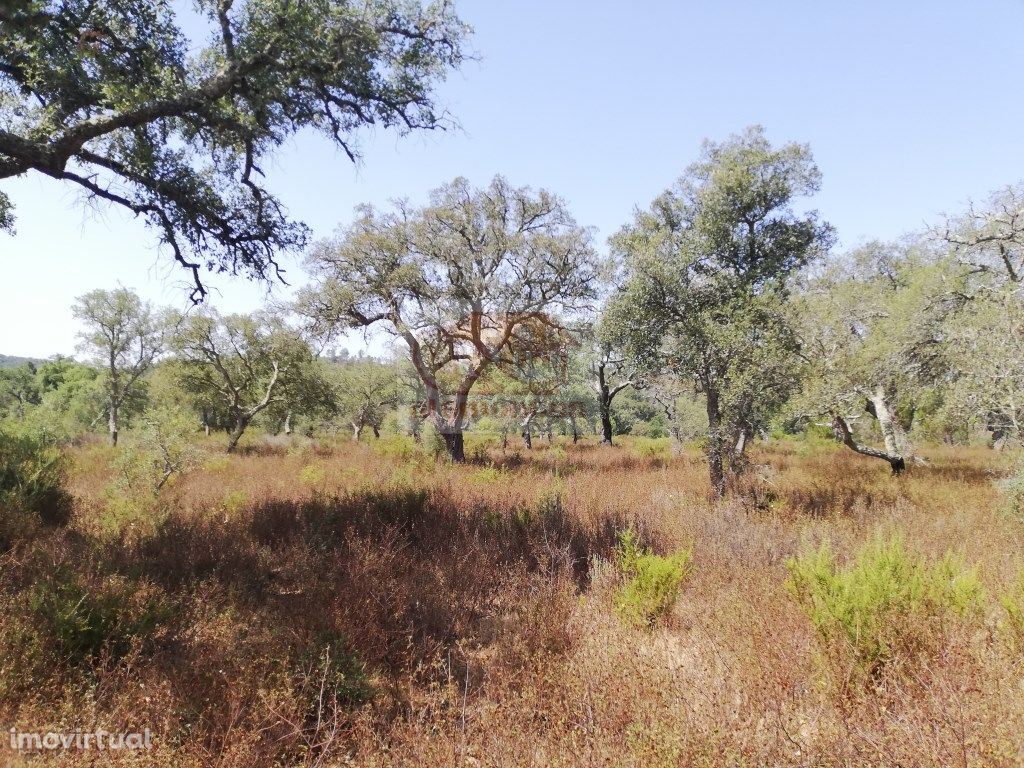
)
(330, 675)
(885, 602)
(651, 582)
(1012, 490)
(1013, 603)
(658, 449)
(78, 621)
(397, 447)
(32, 474)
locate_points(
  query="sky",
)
(910, 108)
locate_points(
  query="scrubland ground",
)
(356, 604)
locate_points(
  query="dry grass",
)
(337, 605)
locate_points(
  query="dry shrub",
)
(335, 603)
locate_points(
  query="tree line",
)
(720, 307)
(721, 296)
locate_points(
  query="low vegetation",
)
(329, 602)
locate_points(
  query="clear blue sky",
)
(910, 108)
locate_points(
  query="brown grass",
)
(328, 605)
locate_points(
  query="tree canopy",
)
(708, 268)
(467, 282)
(172, 117)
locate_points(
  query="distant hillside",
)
(13, 361)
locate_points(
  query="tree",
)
(19, 388)
(990, 240)
(872, 330)
(709, 267)
(116, 97)
(364, 391)
(244, 363)
(612, 371)
(465, 282)
(532, 384)
(124, 336)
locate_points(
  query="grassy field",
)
(364, 604)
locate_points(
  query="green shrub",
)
(312, 475)
(32, 474)
(651, 582)
(77, 621)
(331, 676)
(234, 502)
(1013, 603)
(885, 602)
(395, 447)
(478, 446)
(1012, 490)
(160, 448)
(658, 449)
(487, 475)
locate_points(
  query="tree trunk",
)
(606, 422)
(112, 424)
(357, 430)
(455, 444)
(716, 449)
(205, 422)
(550, 431)
(527, 432)
(236, 433)
(376, 431)
(843, 434)
(893, 434)
(288, 423)
(575, 430)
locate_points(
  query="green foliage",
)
(1012, 490)
(487, 269)
(487, 475)
(178, 115)
(78, 621)
(32, 474)
(656, 448)
(312, 475)
(331, 675)
(234, 502)
(161, 447)
(362, 393)
(1013, 604)
(246, 364)
(396, 447)
(710, 267)
(651, 582)
(887, 601)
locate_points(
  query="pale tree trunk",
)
(843, 434)
(893, 435)
(357, 431)
(527, 432)
(112, 424)
(739, 450)
(288, 423)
